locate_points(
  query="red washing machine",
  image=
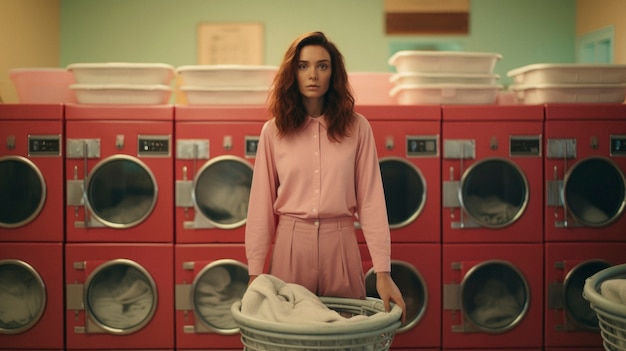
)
(215, 150)
(584, 172)
(407, 142)
(31, 172)
(492, 174)
(569, 320)
(416, 269)
(209, 279)
(119, 296)
(492, 296)
(31, 295)
(119, 173)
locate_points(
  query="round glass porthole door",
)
(22, 296)
(494, 296)
(121, 296)
(22, 191)
(222, 190)
(216, 287)
(405, 191)
(413, 288)
(577, 308)
(494, 192)
(121, 191)
(594, 191)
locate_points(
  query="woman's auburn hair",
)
(285, 100)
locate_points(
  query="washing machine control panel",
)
(154, 145)
(44, 145)
(252, 142)
(618, 145)
(525, 146)
(422, 145)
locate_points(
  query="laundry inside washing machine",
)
(595, 191)
(215, 289)
(405, 191)
(22, 296)
(121, 192)
(494, 192)
(121, 297)
(22, 191)
(413, 288)
(494, 296)
(577, 308)
(222, 191)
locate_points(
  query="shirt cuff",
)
(255, 267)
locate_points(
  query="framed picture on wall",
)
(231, 43)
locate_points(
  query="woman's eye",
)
(301, 66)
(323, 66)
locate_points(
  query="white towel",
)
(269, 298)
(614, 290)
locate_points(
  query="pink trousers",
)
(319, 254)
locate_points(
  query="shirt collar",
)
(321, 120)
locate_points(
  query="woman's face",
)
(314, 70)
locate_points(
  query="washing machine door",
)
(578, 310)
(222, 190)
(405, 190)
(22, 191)
(215, 288)
(494, 192)
(120, 297)
(121, 191)
(413, 287)
(495, 296)
(22, 296)
(594, 191)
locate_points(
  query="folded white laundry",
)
(269, 298)
(614, 290)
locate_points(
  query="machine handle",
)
(85, 174)
(565, 222)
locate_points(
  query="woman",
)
(316, 168)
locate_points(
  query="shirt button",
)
(314, 135)
(316, 223)
(316, 153)
(317, 171)
(314, 210)
(316, 191)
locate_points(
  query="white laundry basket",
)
(611, 315)
(369, 334)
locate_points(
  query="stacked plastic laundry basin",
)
(42, 85)
(122, 83)
(444, 77)
(568, 83)
(226, 84)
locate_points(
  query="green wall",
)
(523, 31)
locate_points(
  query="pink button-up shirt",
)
(306, 175)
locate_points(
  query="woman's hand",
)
(388, 291)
